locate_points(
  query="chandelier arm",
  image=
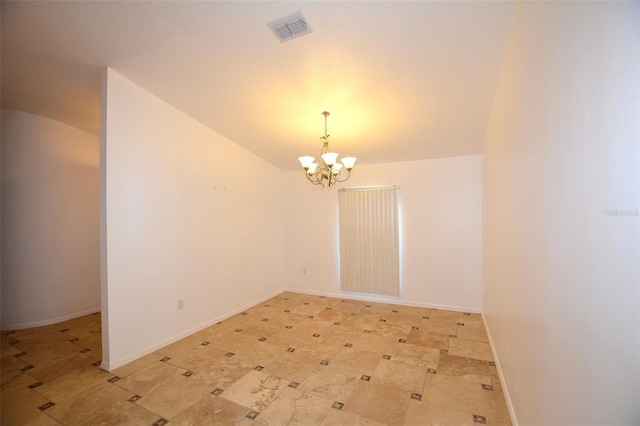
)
(345, 179)
(317, 178)
(313, 181)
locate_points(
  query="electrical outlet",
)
(180, 304)
(304, 271)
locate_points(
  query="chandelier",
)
(327, 171)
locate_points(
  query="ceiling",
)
(403, 80)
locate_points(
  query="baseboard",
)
(505, 389)
(385, 299)
(109, 366)
(32, 324)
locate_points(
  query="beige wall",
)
(440, 225)
(50, 225)
(186, 215)
(561, 277)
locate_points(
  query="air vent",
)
(290, 27)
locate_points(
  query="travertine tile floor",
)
(295, 359)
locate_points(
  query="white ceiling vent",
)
(290, 27)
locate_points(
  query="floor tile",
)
(81, 322)
(196, 358)
(412, 319)
(397, 331)
(124, 414)
(149, 378)
(332, 315)
(38, 333)
(294, 407)
(88, 404)
(375, 342)
(349, 306)
(470, 369)
(19, 402)
(286, 338)
(473, 320)
(430, 339)
(356, 361)
(361, 321)
(422, 356)
(261, 328)
(69, 386)
(425, 414)
(331, 383)
(446, 314)
(342, 333)
(255, 390)
(343, 418)
(21, 381)
(61, 367)
(440, 325)
(454, 393)
(10, 368)
(211, 410)
(470, 349)
(307, 309)
(495, 378)
(380, 403)
(222, 372)
(258, 352)
(179, 347)
(136, 365)
(334, 362)
(34, 417)
(497, 412)
(379, 309)
(472, 333)
(238, 321)
(232, 341)
(90, 329)
(282, 319)
(48, 352)
(208, 334)
(400, 375)
(320, 352)
(293, 366)
(172, 398)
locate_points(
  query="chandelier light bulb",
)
(330, 158)
(306, 161)
(348, 162)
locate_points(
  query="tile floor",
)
(293, 360)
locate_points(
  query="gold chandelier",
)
(327, 171)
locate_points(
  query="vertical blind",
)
(369, 240)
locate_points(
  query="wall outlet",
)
(180, 304)
(304, 271)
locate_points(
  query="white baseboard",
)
(505, 389)
(112, 365)
(22, 326)
(384, 299)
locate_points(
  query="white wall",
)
(561, 277)
(441, 219)
(50, 221)
(186, 214)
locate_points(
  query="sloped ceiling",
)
(402, 80)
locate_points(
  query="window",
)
(369, 240)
